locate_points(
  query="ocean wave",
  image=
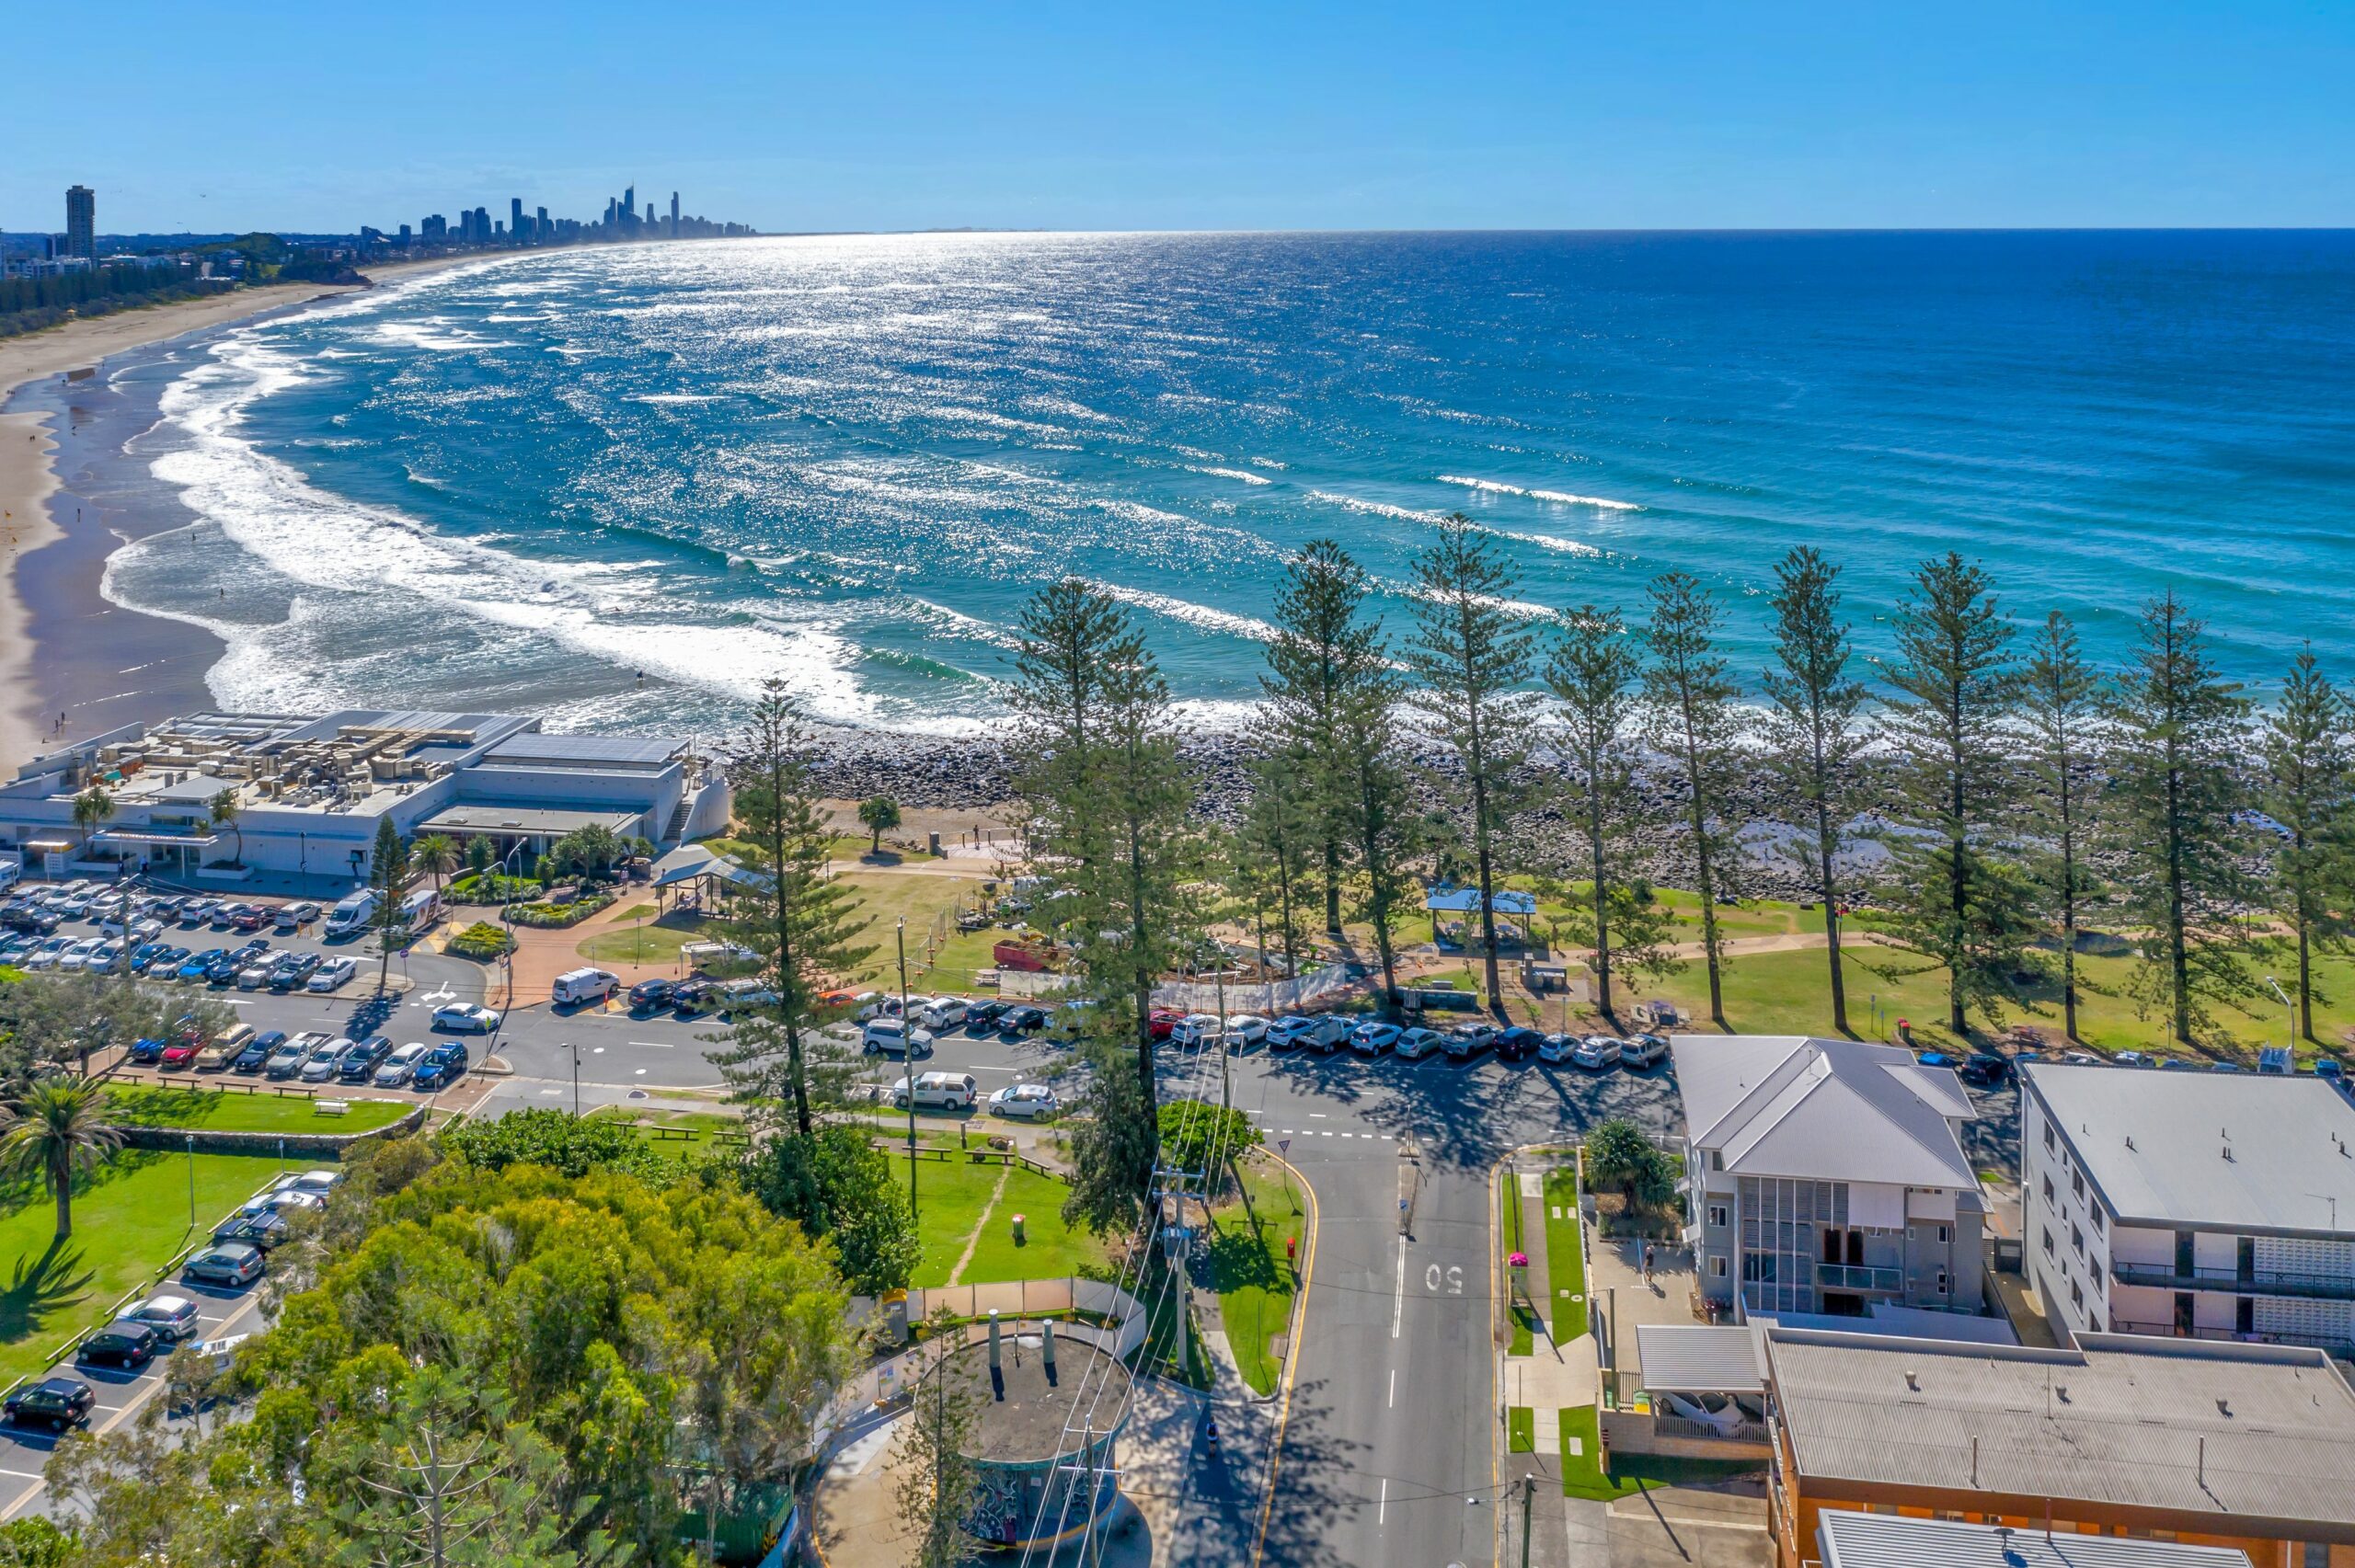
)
(1201, 617)
(1269, 462)
(329, 545)
(1377, 508)
(1548, 542)
(435, 333)
(1561, 497)
(1247, 478)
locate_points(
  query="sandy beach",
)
(27, 476)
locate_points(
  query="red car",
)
(253, 916)
(1161, 1020)
(181, 1052)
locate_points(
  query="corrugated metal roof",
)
(1696, 1358)
(622, 750)
(480, 818)
(2187, 1425)
(1822, 1110)
(1849, 1540)
(2292, 1141)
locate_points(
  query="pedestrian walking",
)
(1647, 1264)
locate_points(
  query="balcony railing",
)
(1854, 1276)
(1707, 1431)
(2256, 1282)
(2335, 1346)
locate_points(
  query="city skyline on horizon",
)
(1311, 117)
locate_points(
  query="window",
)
(1717, 1214)
(1945, 1235)
(1717, 1160)
(2077, 1241)
(2048, 1138)
(2076, 1183)
(2096, 1212)
(1942, 1282)
(2048, 1192)
(2047, 1241)
(2076, 1295)
(1718, 1268)
(2096, 1265)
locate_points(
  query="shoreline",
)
(62, 640)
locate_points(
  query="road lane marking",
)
(1381, 1509)
(22, 1474)
(1394, 1388)
(657, 1044)
(1398, 1295)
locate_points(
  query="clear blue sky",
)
(1117, 114)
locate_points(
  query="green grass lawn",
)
(215, 1110)
(1524, 1322)
(654, 942)
(1521, 1430)
(954, 1200)
(1770, 993)
(1582, 1474)
(1565, 1257)
(130, 1217)
(882, 900)
(1247, 1270)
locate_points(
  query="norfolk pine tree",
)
(1597, 673)
(1111, 799)
(2177, 732)
(1377, 806)
(1473, 656)
(387, 874)
(1317, 662)
(1281, 836)
(1814, 727)
(2061, 696)
(1688, 701)
(803, 924)
(2309, 790)
(1956, 904)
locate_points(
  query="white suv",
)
(1416, 1044)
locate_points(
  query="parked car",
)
(148, 1050)
(650, 996)
(292, 970)
(179, 1056)
(1517, 1043)
(288, 1059)
(295, 916)
(1161, 1021)
(320, 1065)
(1939, 1059)
(1194, 1029)
(59, 1402)
(1416, 1044)
(576, 988)
(1025, 1100)
(1556, 1049)
(331, 973)
(196, 911)
(1596, 1052)
(257, 970)
(264, 1230)
(359, 1064)
(233, 1263)
(459, 1017)
(1320, 1031)
(941, 1013)
(257, 1051)
(321, 1183)
(122, 1342)
(45, 956)
(443, 1066)
(935, 1090)
(173, 1317)
(2134, 1059)
(1464, 1041)
(1022, 1018)
(1372, 1040)
(1643, 1050)
(1246, 1029)
(891, 1038)
(1986, 1068)
(401, 1065)
(253, 916)
(980, 1017)
(75, 956)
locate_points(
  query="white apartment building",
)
(2214, 1206)
(1827, 1177)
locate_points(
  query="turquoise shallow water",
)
(633, 484)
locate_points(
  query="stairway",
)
(678, 819)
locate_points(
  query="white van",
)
(891, 1037)
(576, 986)
(938, 1092)
(352, 913)
(419, 910)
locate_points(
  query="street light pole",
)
(191, 1181)
(2289, 1014)
(908, 1055)
(575, 1047)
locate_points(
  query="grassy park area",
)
(965, 1222)
(227, 1110)
(1246, 1269)
(130, 1217)
(1565, 1255)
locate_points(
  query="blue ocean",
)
(629, 486)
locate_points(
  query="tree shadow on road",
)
(1315, 1481)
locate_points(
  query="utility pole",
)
(575, 1048)
(1173, 1245)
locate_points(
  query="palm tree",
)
(436, 853)
(55, 1135)
(223, 810)
(91, 808)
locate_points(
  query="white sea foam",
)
(1247, 478)
(1204, 616)
(1547, 542)
(335, 547)
(433, 332)
(1377, 508)
(1561, 497)
(1269, 462)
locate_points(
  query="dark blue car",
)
(443, 1066)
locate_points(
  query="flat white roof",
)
(2155, 1145)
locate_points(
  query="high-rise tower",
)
(81, 222)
